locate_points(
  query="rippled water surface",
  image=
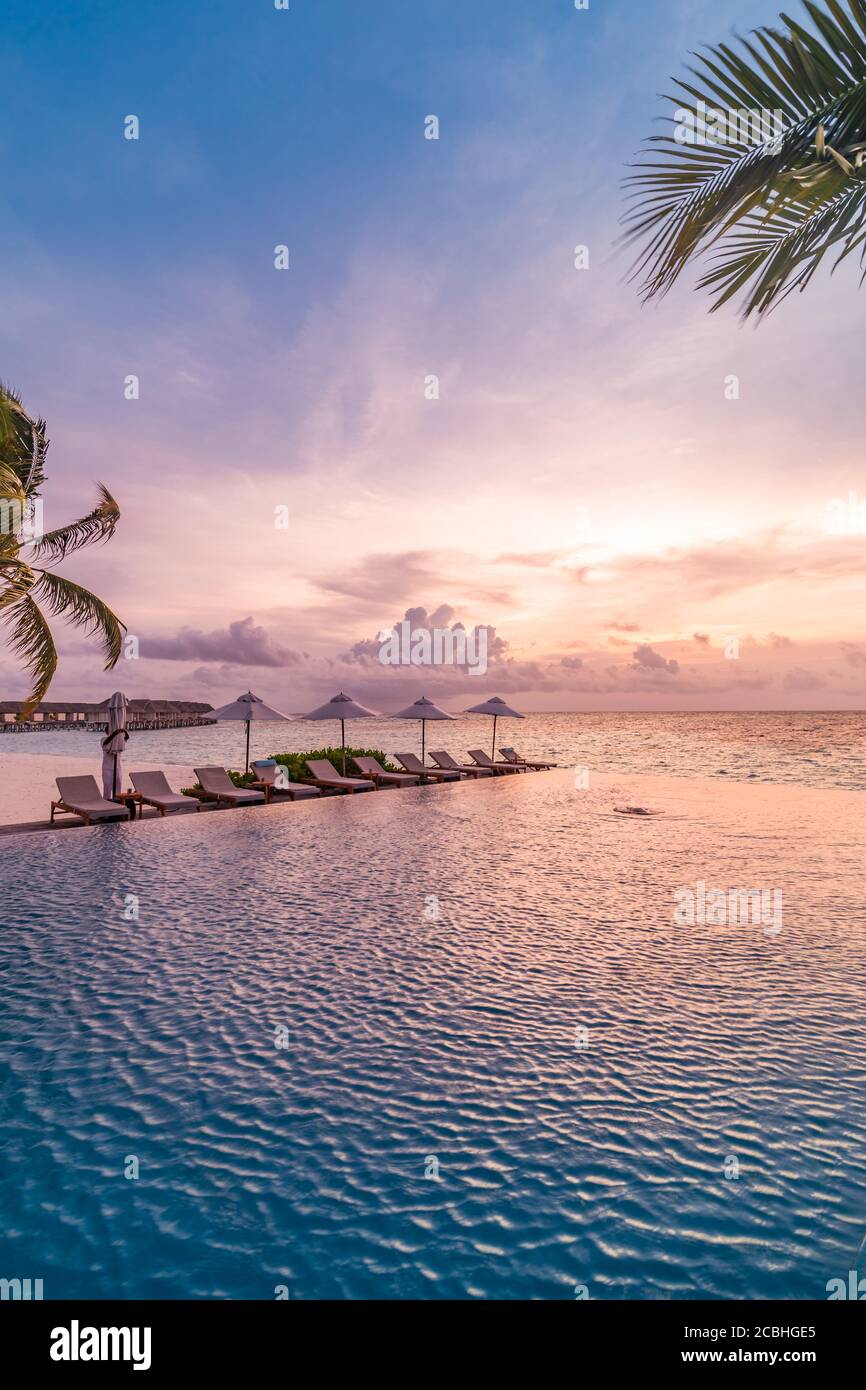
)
(813, 749)
(434, 956)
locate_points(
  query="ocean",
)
(810, 749)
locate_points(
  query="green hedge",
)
(295, 762)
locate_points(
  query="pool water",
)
(446, 1042)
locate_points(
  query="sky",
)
(576, 482)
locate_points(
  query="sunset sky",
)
(582, 486)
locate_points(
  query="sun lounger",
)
(484, 760)
(324, 774)
(80, 796)
(445, 761)
(512, 756)
(413, 763)
(153, 790)
(273, 788)
(219, 787)
(371, 768)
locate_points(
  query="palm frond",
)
(23, 445)
(783, 251)
(30, 638)
(99, 525)
(746, 195)
(11, 489)
(82, 609)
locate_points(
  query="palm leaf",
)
(783, 252)
(23, 445)
(769, 210)
(98, 525)
(30, 637)
(82, 609)
(10, 486)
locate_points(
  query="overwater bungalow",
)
(87, 715)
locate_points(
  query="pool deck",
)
(73, 823)
(149, 813)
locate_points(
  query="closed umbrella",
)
(423, 709)
(248, 708)
(113, 745)
(498, 708)
(342, 707)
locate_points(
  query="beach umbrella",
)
(423, 709)
(248, 708)
(498, 708)
(342, 707)
(113, 745)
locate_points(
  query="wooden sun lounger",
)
(324, 774)
(512, 756)
(371, 768)
(80, 796)
(413, 764)
(295, 791)
(153, 790)
(218, 786)
(445, 760)
(484, 760)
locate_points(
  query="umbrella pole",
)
(423, 732)
(343, 738)
(115, 788)
(247, 767)
(493, 753)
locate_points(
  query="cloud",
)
(572, 663)
(390, 578)
(855, 656)
(240, 644)
(800, 679)
(719, 569)
(777, 641)
(702, 638)
(534, 559)
(645, 659)
(419, 620)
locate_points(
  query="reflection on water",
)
(445, 1042)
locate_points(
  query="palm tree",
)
(24, 584)
(761, 213)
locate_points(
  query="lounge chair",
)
(153, 790)
(484, 760)
(295, 791)
(413, 764)
(80, 796)
(324, 774)
(448, 764)
(511, 755)
(219, 787)
(371, 768)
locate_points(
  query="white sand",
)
(27, 785)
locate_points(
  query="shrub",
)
(295, 762)
(298, 772)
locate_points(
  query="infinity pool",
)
(437, 1043)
